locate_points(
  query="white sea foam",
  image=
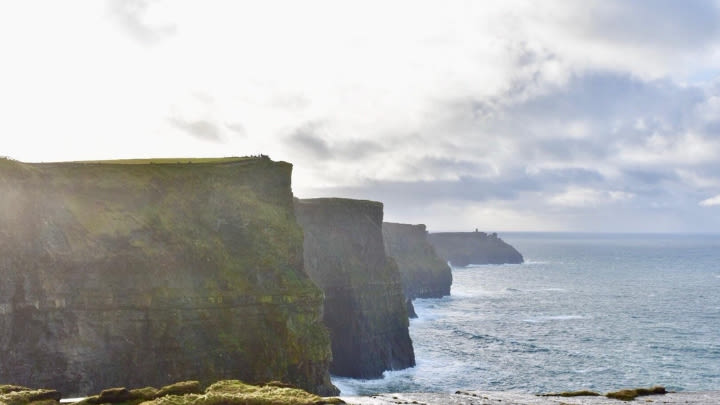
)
(553, 318)
(534, 290)
(347, 386)
(580, 319)
(549, 289)
(534, 262)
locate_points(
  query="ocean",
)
(585, 311)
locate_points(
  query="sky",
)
(508, 115)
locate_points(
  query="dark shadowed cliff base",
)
(465, 248)
(424, 273)
(364, 304)
(135, 273)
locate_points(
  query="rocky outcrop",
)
(16, 395)
(424, 273)
(226, 392)
(135, 273)
(464, 248)
(364, 303)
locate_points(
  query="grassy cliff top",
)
(159, 161)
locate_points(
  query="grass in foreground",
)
(226, 392)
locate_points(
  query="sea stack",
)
(465, 248)
(424, 273)
(136, 273)
(364, 303)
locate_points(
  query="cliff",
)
(135, 273)
(464, 248)
(364, 304)
(424, 273)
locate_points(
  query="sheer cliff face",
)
(119, 274)
(464, 248)
(424, 274)
(364, 304)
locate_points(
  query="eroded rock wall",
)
(364, 303)
(424, 273)
(464, 248)
(137, 273)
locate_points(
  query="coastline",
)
(515, 398)
(508, 397)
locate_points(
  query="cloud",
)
(607, 107)
(307, 141)
(650, 39)
(711, 202)
(648, 23)
(237, 128)
(603, 142)
(316, 140)
(408, 193)
(201, 129)
(680, 150)
(587, 197)
(588, 124)
(140, 18)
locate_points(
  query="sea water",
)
(584, 311)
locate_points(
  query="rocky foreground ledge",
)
(234, 392)
(506, 398)
(226, 392)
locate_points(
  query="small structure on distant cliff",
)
(364, 304)
(135, 273)
(424, 273)
(465, 248)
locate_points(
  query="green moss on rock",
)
(180, 388)
(630, 394)
(235, 392)
(147, 272)
(6, 389)
(569, 394)
(114, 395)
(28, 396)
(145, 393)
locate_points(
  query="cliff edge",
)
(424, 273)
(135, 273)
(364, 304)
(465, 248)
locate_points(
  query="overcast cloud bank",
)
(508, 115)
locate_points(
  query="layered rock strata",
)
(465, 248)
(424, 273)
(364, 303)
(135, 273)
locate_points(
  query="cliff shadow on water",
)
(364, 303)
(136, 273)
